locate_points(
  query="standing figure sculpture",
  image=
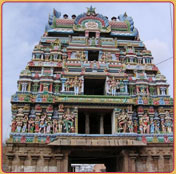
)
(122, 122)
(68, 120)
(76, 85)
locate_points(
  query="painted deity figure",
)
(157, 126)
(141, 130)
(109, 56)
(163, 127)
(57, 87)
(31, 125)
(13, 126)
(67, 85)
(93, 41)
(130, 126)
(103, 57)
(113, 86)
(24, 128)
(146, 125)
(83, 56)
(168, 122)
(122, 122)
(152, 126)
(55, 126)
(68, 120)
(76, 85)
(78, 55)
(19, 126)
(60, 123)
(121, 86)
(42, 127)
(61, 108)
(45, 87)
(37, 123)
(48, 128)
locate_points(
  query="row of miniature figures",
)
(144, 123)
(57, 54)
(75, 85)
(43, 123)
(65, 119)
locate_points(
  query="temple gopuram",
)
(91, 95)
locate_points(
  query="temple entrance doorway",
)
(111, 159)
(94, 121)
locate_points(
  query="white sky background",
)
(24, 24)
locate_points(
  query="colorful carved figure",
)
(31, 125)
(42, 127)
(38, 108)
(122, 122)
(68, 120)
(24, 128)
(113, 86)
(168, 122)
(55, 126)
(19, 126)
(61, 108)
(163, 126)
(145, 121)
(157, 126)
(77, 55)
(37, 123)
(130, 126)
(14, 125)
(76, 85)
(48, 128)
(152, 126)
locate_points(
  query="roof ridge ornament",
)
(91, 11)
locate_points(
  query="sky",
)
(24, 24)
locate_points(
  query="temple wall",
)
(21, 158)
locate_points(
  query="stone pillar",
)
(132, 163)
(86, 33)
(87, 124)
(76, 119)
(34, 162)
(101, 124)
(64, 165)
(114, 122)
(19, 87)
(58, 158)
(126, 87)
(63, 80)
(143, 159)
(46, 163)
(125, 161)
(167, 164)
(22, 162)
(10, 159)
(158, 90)
(97, 34)
(167, 91)
(155, 163)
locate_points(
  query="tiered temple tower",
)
(91, 94)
